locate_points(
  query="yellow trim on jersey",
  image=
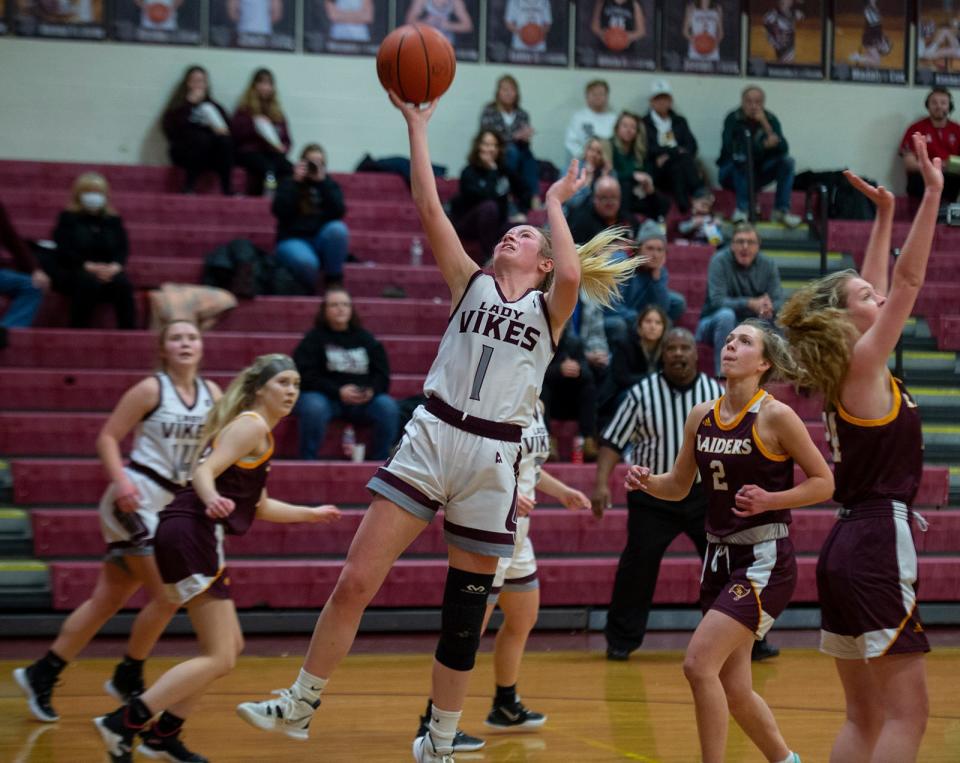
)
(768, 454)
(739, 417)
(246, 462)
(894, 410)
(903, 624)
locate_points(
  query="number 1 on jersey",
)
(481, 373)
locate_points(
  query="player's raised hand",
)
(931, 169)
(879, 195)
(637, 478)
(568, 184)
(412, 112)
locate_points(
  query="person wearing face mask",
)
(92, 254)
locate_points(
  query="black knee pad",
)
(461, 621)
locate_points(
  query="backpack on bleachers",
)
(844, 201)
(243, 269)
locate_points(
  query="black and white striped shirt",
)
(648, 426)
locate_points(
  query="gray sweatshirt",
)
(729, 285)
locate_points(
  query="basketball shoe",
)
(169, 747)
(126, 683)
(514, 716)
(462, 742)
(288, 715)
(425, 752)
(37, 686)
(117, 736)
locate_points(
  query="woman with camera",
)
(311, 234)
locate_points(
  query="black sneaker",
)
(462, 742)
(514, 716)
(617, 654)
(125, 684)
(37, 687)
(168, 748)
(117, 738)
(763, 650)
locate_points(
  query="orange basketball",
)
(158, 12)
(531, 34)
(615, 38)
(417, 62)
(704, 43)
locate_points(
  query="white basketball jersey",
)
(254, 17)
(704, 21)
(493, 354)
(168, 436)
(534, 451)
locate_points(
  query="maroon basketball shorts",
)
(752, 583)
(867, 585)
(189, 555)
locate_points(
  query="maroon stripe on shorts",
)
(521, 581)
(502, 539)
(408, 490)
(493, 430)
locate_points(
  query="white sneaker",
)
(739, 216)
(785, 218)
(288, 715)
(425, 752)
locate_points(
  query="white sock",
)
(791, 758)
(308, 686)
(443, 728)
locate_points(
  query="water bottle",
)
(270, 184)
(416, 252)
(577, 456)
(348, 440)
(712, 233)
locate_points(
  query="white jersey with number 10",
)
(493, 354)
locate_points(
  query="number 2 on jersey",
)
(481, 373)
(716, 467)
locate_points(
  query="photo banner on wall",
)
(63, 19)
(870, 41)
(3, 16)
(457, 20)
(345, 27)
(938, 43)
(786, 39)
(253, 24)
(701, 36)
(616, 35)
(528, 32)
(172, 22)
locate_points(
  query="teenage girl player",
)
(166, 412)
(226, 494)
(842, 329)
(744, 445)
(461, 450)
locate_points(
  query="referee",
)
(648, 429)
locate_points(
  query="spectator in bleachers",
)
(638, 355)
(344, 374)
(594, 121)
(261, 134)
(569, 390)
(511, 123)
(603, 210)
(483, 210)
(92, 254)
(671, 147)
(198, 130)
(702, 226)
(742, 282)
(311, 234)
(626, 152)
(647, 286)
(22, 285)
(943, 141)
(752, 127)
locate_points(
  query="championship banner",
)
(252, 24)
(345, 27)
(63, 19)
(870, 41)
(701, 36)
(457, 20)
(528, 32)
(171, 22)
(616, 34)
(786, 39)
(938, 43)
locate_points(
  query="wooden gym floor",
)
(598, 711)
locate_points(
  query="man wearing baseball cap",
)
(671, 147)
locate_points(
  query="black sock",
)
(130, 665)
(426, 713)
(506, 695)
(168, 724)
(51, 664)
(136, 714)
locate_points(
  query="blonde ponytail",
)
(820, 334)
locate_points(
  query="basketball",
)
(417, 62)
(158, 12)
(704, 43)
(615, 38)
(531, 34)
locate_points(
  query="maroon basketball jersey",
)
(730, 455)
(877, 459)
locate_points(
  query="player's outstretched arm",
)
(563, 294)
(876, 260)
(675, 484)
(454, 263)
